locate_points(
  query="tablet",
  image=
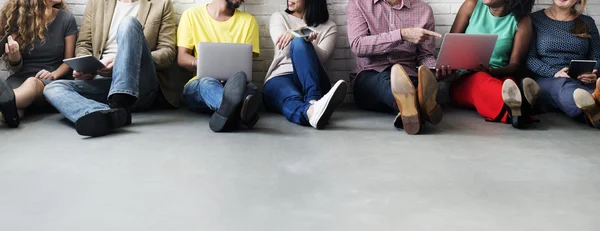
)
(580, 67)
(85, 64)
(3, 41)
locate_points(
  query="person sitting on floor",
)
(492, 90)
(34, 52)
(391, 38)
(563, 34)
(296, 82)
(236, 100)
(135, 39)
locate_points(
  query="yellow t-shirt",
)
(196, 25)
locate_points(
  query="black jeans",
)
(373, 92)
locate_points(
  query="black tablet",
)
(580, 67)
(3, 41)
(85, 64)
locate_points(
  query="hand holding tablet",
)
(85, 64)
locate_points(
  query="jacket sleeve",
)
(84, 40)
(165, 53)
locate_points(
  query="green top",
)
(483, 22)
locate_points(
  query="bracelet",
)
(16, 63)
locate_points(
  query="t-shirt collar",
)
(404, 3)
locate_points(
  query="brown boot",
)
(596, 93)
(427, 92)
(406, 97)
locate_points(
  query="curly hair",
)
(520, 8)
(29, 19)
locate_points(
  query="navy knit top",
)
(553, 46)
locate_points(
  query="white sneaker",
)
(323, 108)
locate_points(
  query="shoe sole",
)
(512, 97)
(8, 105)
(249, 112)
(427, 92)
(100, 124)
(586, 102)
(340, 89)
(233, 94)
(406, 97)
(531, 90)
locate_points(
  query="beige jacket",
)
(158, 22)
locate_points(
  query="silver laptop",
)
(466, 51)
(223, 60)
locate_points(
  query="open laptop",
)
(223, 60)
(466, 51)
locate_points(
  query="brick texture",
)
(342, 62)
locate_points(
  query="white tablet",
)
(86, 64)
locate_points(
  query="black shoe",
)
(100, 123)
(233, 94)
(249, 111)
(120, 100)
(513, 100)
(8, 105)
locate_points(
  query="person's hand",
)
(107, 71)
(563, 73)
(444, 72)
(483, 68)
(82, 76)
(45, 75)
(11, 48)
(311, 37)
(589, 78)
(417, 35)
(284, 40)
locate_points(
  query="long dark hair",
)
(520, 8)
(315, 12)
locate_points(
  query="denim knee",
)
(128, 25)
(55, 87)
(298, 44)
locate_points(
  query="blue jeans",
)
(290, 94)
(373, 92)
(205, 94)
(556, 94)
(133, 74)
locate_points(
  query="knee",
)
(298, 44)
(127, 25)
(55, 87)
(33, 83)
(207, 80)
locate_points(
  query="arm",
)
(186, 44)
(521, 44)
(324, 49)
(426, 50)
(164, 55)
(276, 29)
(84, 41)
(535, 64)
(64, 69)
(254, 37)
(461, 22)
(363, 44)
(13, 54)
(595, 42)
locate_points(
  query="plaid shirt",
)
(374, 34)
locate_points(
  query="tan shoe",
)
(586, 102)
(427, 91)
(406, 97)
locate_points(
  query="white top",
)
(122, 10)
(280, 23)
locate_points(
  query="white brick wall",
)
(342, 62)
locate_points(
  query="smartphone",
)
(303, 33)
(3, 41)
(580, 67)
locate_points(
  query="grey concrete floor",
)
(170, 172)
